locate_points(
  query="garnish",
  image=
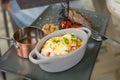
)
(66, 40)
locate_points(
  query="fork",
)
(100, 37)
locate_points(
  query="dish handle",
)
(86, 30)
(31, 57)
(36, 60)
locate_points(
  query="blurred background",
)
(107, 66)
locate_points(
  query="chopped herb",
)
(79, 40)
(66, 50)
(56, 41)
(73, 35)
(66, 40)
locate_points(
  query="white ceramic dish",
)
(61, 63)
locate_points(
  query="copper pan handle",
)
(11, 39)
(6, 38)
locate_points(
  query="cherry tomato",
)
(62, 24)
(65, 24)
(68, 24)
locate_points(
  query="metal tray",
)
(10, 62)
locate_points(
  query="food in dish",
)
(49, 28)
(75, 20)
(61, 45)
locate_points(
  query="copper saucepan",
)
(25, 39)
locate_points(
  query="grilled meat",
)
(77, 17)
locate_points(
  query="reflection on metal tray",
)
(51, 15)
(27, 3)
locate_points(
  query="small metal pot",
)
(25, 39)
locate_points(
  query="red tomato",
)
(68, 24)
(63, 24)
(77, 25)
(48, 53)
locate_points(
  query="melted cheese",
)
(61, 45)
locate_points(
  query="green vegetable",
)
(66, 40)
(73, 35)
(56, 41)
